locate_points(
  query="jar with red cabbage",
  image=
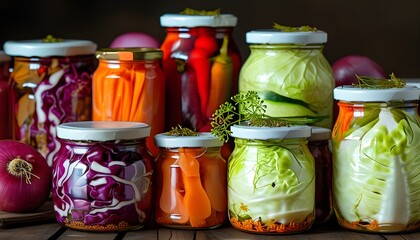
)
(5, 128)
(102, 176)
(51, 83)
(319, 145)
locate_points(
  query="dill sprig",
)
(294, 29)
(181, 131)
(244, 107)
(50, 38)
(378, 83)
(190, 11)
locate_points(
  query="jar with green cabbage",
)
(290, 73)
(271, 180)
(376, 144)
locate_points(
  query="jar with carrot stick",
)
(129, 85)
(103, 176)
(376, 156)
(51, 84)
(5, 121)
(271, 179)
(202, 62)
(191, 181)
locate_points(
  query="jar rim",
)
(203, 139)
(129, 54)
(267, 133)
(277, 36)
(354, 93)
(320, 134)
(102, 130)
(183, 20)
(38, 48)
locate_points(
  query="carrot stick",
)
(139, 82)
(220, 80)
(196, 201)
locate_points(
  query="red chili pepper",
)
(191, 109)
(205, 47)
(200, 64)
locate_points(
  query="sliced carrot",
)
(197, 203)
(213, 176)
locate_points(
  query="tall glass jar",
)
(320, 147)
(103, 176)
(290, 73)
(191, 182)
(51, 83)
(129, 85)
(5, 121)
(376, 159)
(271, 180)
(202, 62)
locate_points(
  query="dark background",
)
(387, 31)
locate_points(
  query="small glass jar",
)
(290, 73)
(202, 63)
(319, 145)
(5, 121)
(129, 85)
(191, 182)
(51, 83)
(271, 180)
(103, 176)
(376, 159)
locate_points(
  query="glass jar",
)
(319, 145)
(129, 85)
(200, 59)
(51, 84)
(271, 180)
(103, 176)
(191, 182)
(376, 159)
(290, 73)
(5, 121)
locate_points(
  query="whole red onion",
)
(25, 177)
(346, 68)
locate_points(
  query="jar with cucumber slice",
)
(288, 70)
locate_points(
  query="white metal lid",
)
(4, 57)
(204, 139)
(183, 20)
(319, 134)
(274, 36)
(266, 133)
(354, 93)
(38, 48)
(102, 130)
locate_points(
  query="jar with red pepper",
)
(202, 63)
(5, 128)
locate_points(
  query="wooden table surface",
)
(51, 230)
(41, 225)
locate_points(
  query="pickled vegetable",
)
(271, 186)
(191, 188)
(376, 167)
(132, 91)
(50, 91)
